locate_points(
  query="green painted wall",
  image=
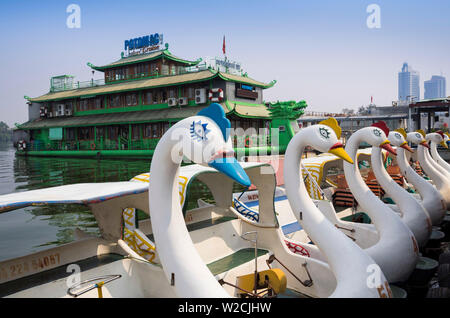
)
(285, 134)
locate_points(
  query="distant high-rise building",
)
(435, 87)
(408, 84)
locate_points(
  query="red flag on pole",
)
(223, 46)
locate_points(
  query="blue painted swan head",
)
(205, 139)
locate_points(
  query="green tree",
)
(5, 133)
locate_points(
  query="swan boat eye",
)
(199, 131)
(397, 135)
(324, 132)
(418, 135)
(377, 132)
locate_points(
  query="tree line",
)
(6, 133)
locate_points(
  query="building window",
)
(153, 69)
(115, 101)
(90, 104)
(165, 69)
(83, 105)
(156, 130)
(70, 134)
(126, 72)
(148, 98)
(190, 93)
(131, 99)
(113, 132)
(135, 132)
(165, 128)
(100, 133)
(152, 130)
(110, 75)
(85, 133)
(141, 70)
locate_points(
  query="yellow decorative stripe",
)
(182, 182)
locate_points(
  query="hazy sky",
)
(320, 51)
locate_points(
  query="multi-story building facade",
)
(139, 98)
(435, 87)
(408, 84)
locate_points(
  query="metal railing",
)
(127, 144)
(71, 145)
(129, 77)
(77, 85)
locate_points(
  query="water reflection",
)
(32, 229)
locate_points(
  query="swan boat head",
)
(417, 137)
(325, 138)
(437, 137)
(376, 136)
(398, 139)
(205, 140)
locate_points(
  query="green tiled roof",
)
(144, 58)
(161, 81)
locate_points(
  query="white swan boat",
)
(388, 240)
(207, 134)
(427, 194)
(130, 259)
(439, 178)
(438, 138)
(215, 229)
(410, 210)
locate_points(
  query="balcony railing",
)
(130, 77)
(126, 144)
(77, 85)
(122, 144)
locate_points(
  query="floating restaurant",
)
(141, 96)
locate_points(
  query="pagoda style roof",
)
(247, 110)
(244, 79)
(144, 58)
(154, 82)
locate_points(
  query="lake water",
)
(33, 229)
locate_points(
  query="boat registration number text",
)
(30, 265)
